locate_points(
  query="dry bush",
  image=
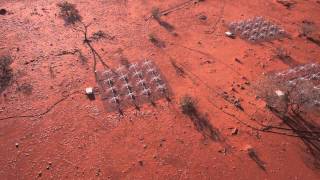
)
(284, 55)
(287, 3)
(69, 13)
(125, 61)
(6, 72)
(83, 59)
(3, 11)
(101, 35)
(188, 105)
(307, 28)
(179, 70)
(202, 124)
(167, 26)
(156, 14)
(255, 157)
(156, 41)
(25, 88)
(98, 35)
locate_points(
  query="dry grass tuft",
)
(6, 72)
(69, 13)
(188, 105)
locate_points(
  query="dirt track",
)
(77, 139)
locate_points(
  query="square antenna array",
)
(256, 30)
(306, 72)
(132, 86)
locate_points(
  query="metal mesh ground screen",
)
(132, 86)
(257, 29)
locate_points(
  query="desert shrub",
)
(282, 53)
(101, 35)
(156, 14)
(125, 61)
(188, 105)
(179, 70)
(69, 13)
(156, 41)
(3, 11)
(6, 73)
(307, 28)
(98, 35)
(287, 3)
(25, 88)
(83, 59)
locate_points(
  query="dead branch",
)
(175, 8)
(46, 111)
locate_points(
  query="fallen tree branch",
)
(96, 55)
(174, 8)
(44, 112)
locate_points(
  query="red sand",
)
(78, 139)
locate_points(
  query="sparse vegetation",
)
(83, 59)
(51, 71)
(156, 14)
(124, 61)
(69, 13)
(6, 72)
(314, 40)
(98, 35)
(101, 35)
(25, 88)
(189, 107)
(179, 70)
(307, 28)
(71, 16)
(233, 100)
(254, 156)
(156, 41)
(284, 55)
(3, 11)
(287, 3)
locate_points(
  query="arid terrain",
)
(50, 129)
